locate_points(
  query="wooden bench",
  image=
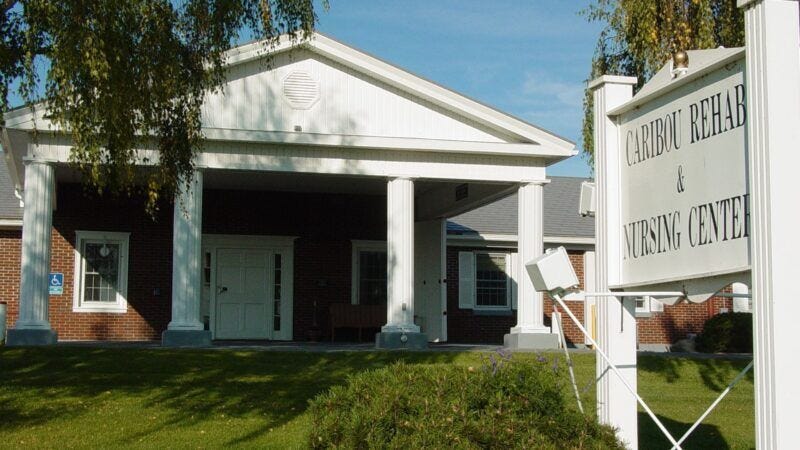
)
(346, 315)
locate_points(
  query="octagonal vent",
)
(300, 90)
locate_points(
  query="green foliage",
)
(118, 70)
(503, 404)
(640, 36)
(727, 332)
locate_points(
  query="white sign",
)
(683, 182)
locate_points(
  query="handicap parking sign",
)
(56, 282)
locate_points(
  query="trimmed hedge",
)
(727, 332)
(503, 404)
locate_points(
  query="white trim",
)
(10, 223)
(512, 238)
(338, 160)
(120, 306)
(509, 277)
(355, 268)
(284, 245)
(383, 143)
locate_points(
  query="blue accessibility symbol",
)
(56, 283)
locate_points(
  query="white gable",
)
(302, 91)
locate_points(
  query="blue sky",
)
(528, 58)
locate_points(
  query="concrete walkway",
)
(328, 347)
(282, 346)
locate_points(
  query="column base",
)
(26, 336)
(186, 338)
(398, 340)
(530, 341)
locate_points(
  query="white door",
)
(242, 294)
(428, 247)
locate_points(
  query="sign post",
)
(696, 189)
(615, 317)
(773, 136)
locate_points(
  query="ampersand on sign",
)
(681, 185)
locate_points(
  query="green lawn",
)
(156, 398)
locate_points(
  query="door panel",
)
(243, 294)
(427, 279)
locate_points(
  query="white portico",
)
(321, 117)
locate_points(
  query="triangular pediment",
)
(325, 87)
(302, 91)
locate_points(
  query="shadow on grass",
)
(191, 386)
(714, 372)
(704, 436)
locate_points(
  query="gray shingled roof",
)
(9, 204)
(561, 217)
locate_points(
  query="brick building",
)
(491, 231)
(328, 178)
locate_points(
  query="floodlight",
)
(552, 272)
(588, 203)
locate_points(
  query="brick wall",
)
(149, 266)
(677, 321)
(10, 253)
(324, 224)
(468, 326)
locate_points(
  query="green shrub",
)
(727, 332)
(503, 404)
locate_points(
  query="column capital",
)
(534, 182)
(400, 177)
(599, 82)
(30, 161)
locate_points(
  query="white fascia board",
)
(380, 142)
(489, 237)
(6, 224)
(406, 81)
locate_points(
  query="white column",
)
(616, 323)
(400, 257)
(37, 221)
(530, 232)
(186, 256)
(773, 98)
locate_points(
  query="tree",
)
(640, 36)
(116, 74)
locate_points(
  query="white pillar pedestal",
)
(530, 331)
(773, 101)
(616, 322)
(400, 330)
(33, 325)
(186, 329)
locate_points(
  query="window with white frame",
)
(492, 283)
(648, 305)
(369, 273)
(101, 271)
(486, 281)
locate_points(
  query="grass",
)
(157, 398)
